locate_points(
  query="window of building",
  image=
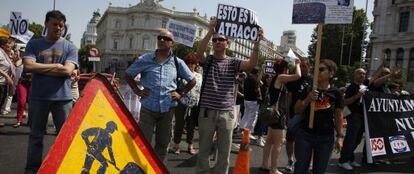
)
(132, 21)
(404, 21)
(147, 21)
(400, 57)
(393, 2)
(131, 39)
(145, 43)
(411, 66)
(164, 23)
(115, 46)
(388, 53)
(117, 24)
(200, 32)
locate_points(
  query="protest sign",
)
(291, 55)
(18, 25)
(184, 33)
(322, 11)
(237, 22)
(389, 126)
(268, 68)
(25, 38)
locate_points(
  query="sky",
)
(275, 16)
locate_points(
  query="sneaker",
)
(2, 124)
(4, 112)
(176, 149)
(252, 137)
(191, 150)
(346, 166)
(289, 167)
(235, 147)
(18, 124)
(355, 164)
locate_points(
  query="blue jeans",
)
(320, 145)
(38, 116)
(353, 136)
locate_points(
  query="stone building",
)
(393, 34)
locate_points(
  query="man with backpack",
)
(159, 71)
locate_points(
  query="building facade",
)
(393, 34)
(124, 33)
(288, 41)
(90, 35)
(127, 32)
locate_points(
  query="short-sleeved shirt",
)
(325, 106)
(160, 79)
(351, 90)
(5, 65)
(45, 87)
(250, 86)
(219, 90)
(297, 88)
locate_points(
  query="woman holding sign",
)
(327, 118)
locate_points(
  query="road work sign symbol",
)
(101, 136)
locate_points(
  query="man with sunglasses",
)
(159, 95)
(218, 98)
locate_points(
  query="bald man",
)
(159, 73)
(355, 121)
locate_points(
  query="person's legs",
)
(179, 124)
(163, 133)
(147, 123)
(38, 115)
(278, 136)
(21, 101)
(290, 145)
(322, 152)
(206, 129)
(303, 151)
(60, 111)
(225, 121)
(191, 120)
(266, 149)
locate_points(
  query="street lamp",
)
(54, 4)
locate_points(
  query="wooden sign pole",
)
(316, 73)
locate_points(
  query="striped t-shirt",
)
(219, 89)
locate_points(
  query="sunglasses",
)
(164, 38)
(218, 39)
(322, 69)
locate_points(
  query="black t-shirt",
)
(325, 106)
(351, 90)
(250, 86)
(297, 88)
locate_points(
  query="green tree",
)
(354, 35)
(84, 64)
(37, 29)
(181, 50)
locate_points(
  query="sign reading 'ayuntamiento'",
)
(389, 125)
(237, 22)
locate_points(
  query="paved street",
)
(13, 145)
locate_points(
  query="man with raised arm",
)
(218, 98)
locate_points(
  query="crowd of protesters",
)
(220, 94)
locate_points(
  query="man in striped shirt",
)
(218, 98)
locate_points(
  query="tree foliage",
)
(37, 29)
(84, 64)
(332, 38)
(181, 50)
